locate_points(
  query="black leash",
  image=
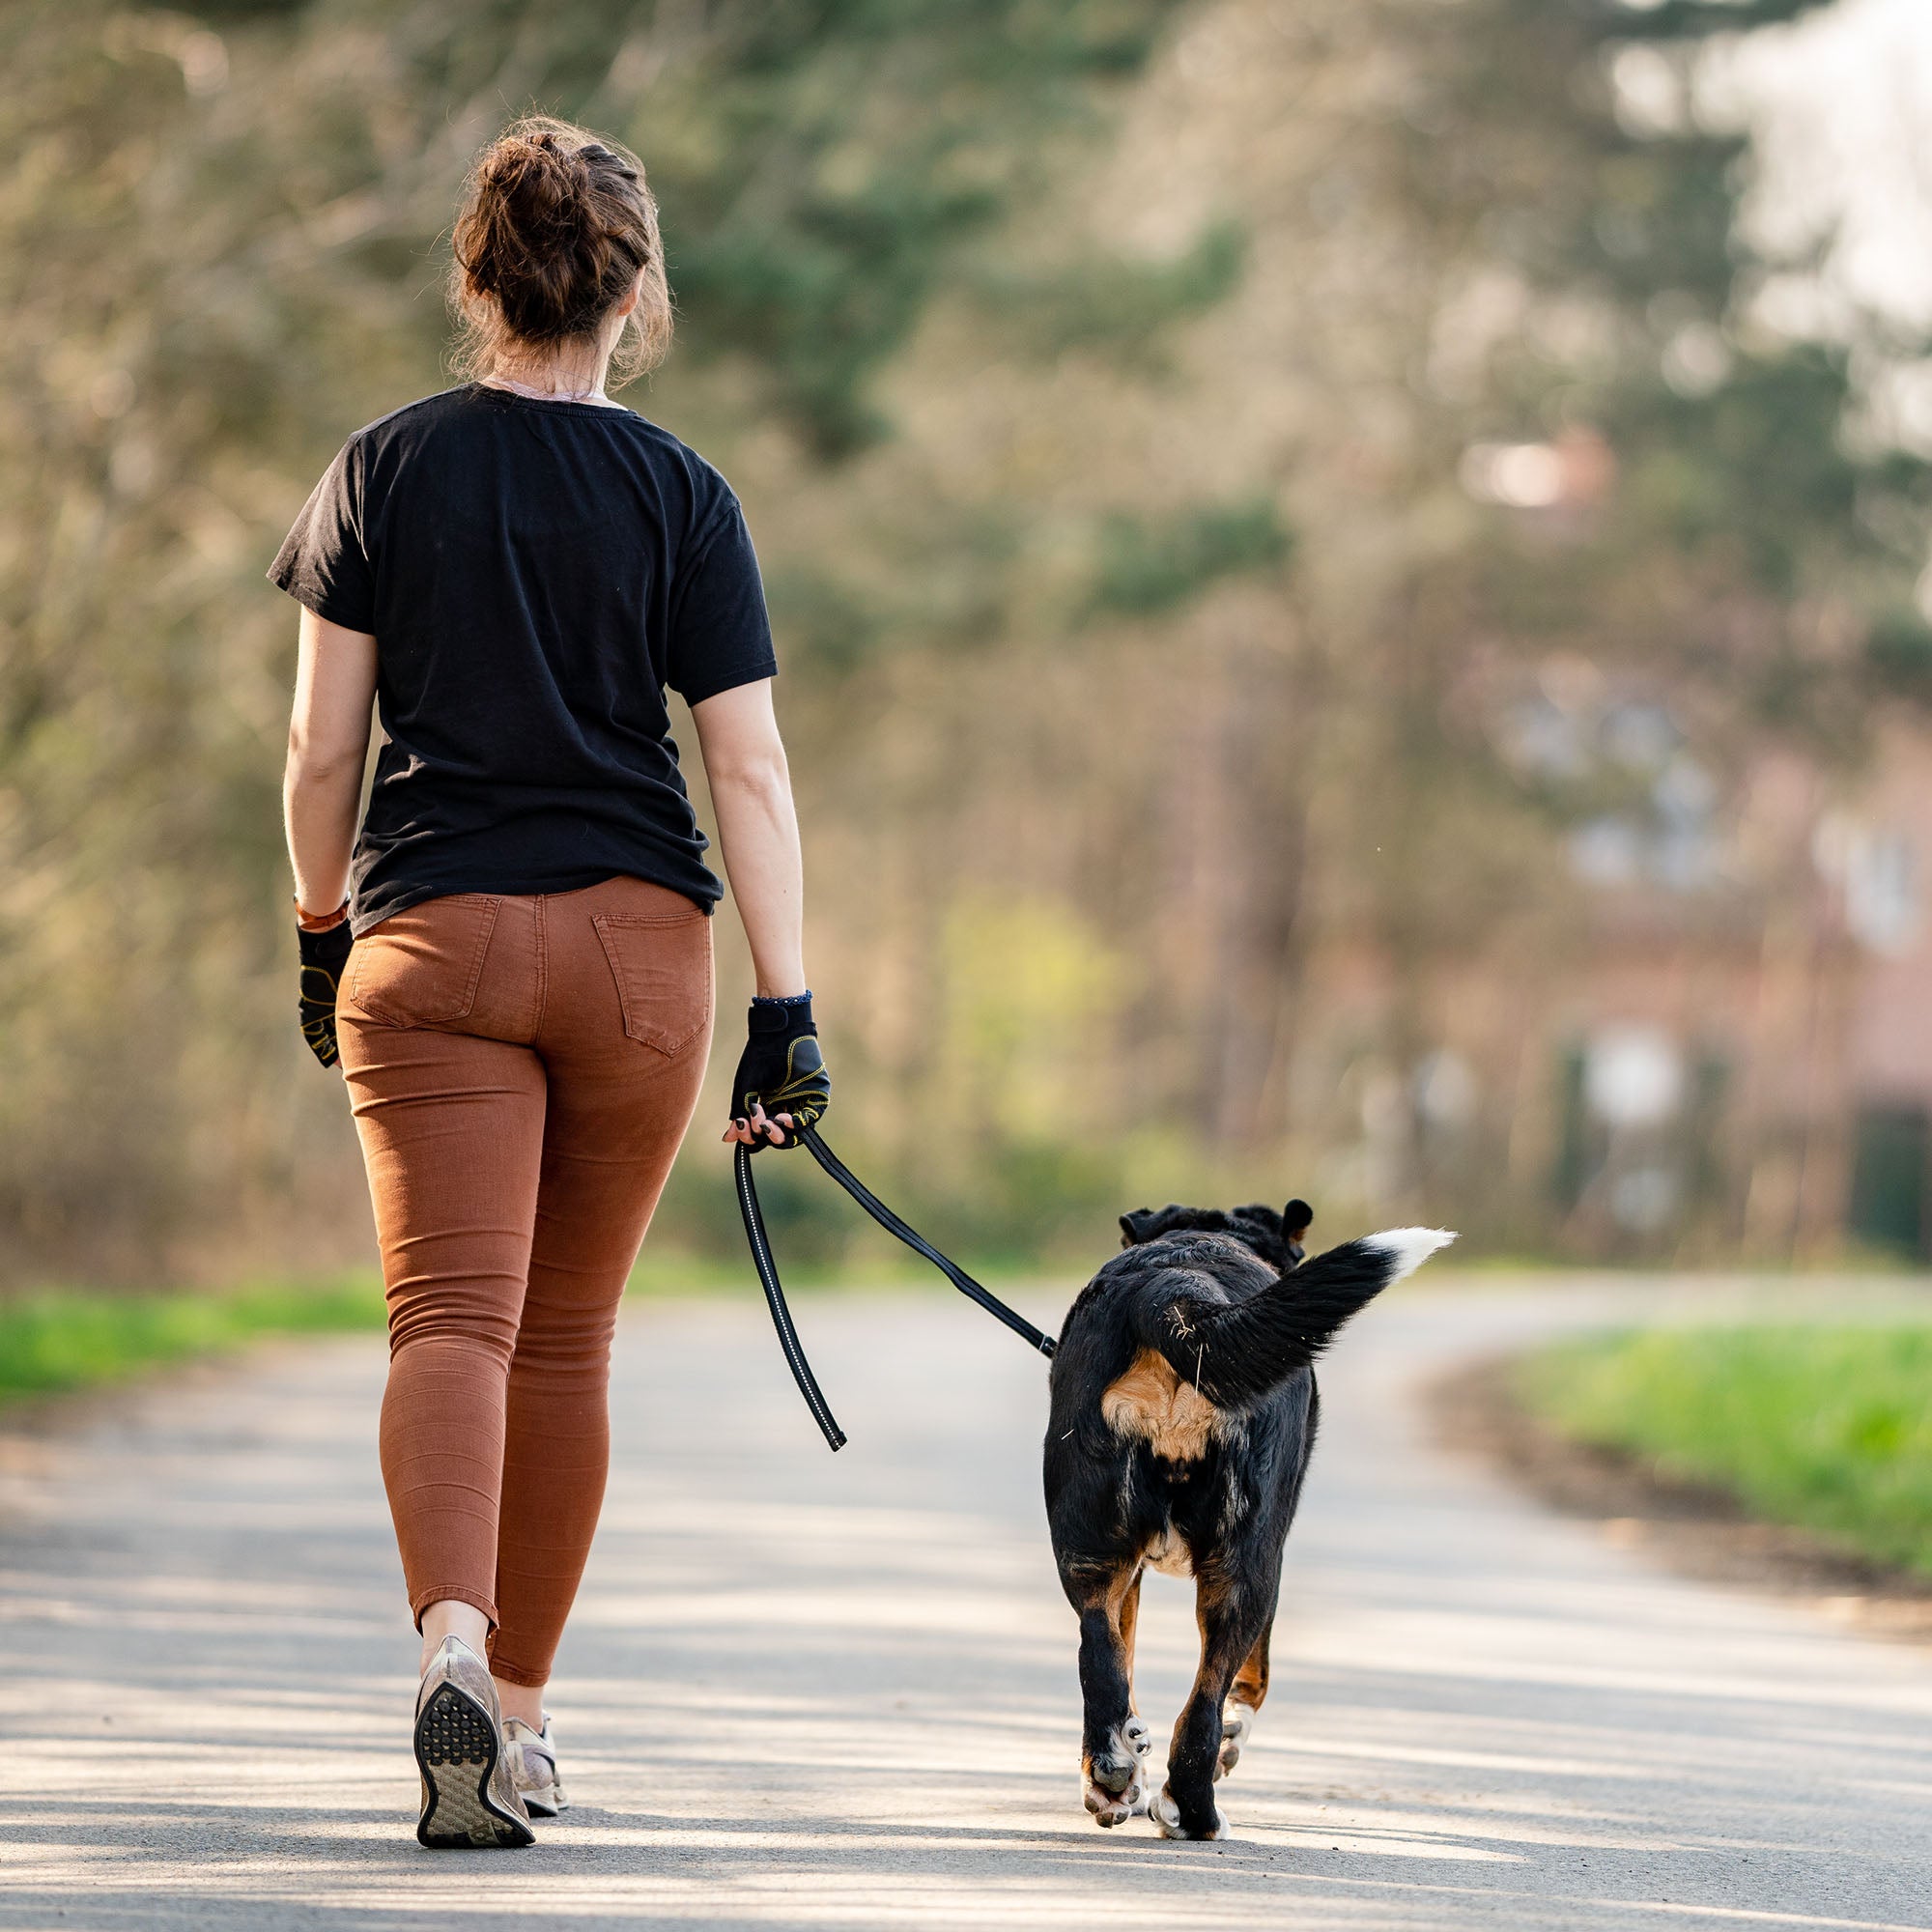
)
(768, 1271)
(775, 1296)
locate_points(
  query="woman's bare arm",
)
(328, 742)
(757, 829)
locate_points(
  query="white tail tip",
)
(1408, 1247)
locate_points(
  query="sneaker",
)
(468, 1798)
(533, 1760)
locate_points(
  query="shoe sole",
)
(456, 1753)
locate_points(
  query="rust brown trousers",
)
(521, 1072)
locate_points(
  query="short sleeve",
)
(324, 564)
(721, 635)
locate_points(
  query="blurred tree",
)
(222, 236)
(1494, 362)
(1187, 445)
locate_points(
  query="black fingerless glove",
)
(324, 956)
(781, 1068)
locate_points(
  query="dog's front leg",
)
(1115, 1742)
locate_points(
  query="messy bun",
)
(555, 225)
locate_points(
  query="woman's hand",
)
(324, 952)
(782, 1082)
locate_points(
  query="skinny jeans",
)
(521, 1071)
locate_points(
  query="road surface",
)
(811, 1692)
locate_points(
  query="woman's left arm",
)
(328, 745)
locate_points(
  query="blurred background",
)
(1350, 574)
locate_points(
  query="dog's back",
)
(1139, 1456)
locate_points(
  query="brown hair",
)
(555, 224)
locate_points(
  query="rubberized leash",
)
(767, 1273)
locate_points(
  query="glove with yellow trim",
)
(782, 1067)
(324, 956)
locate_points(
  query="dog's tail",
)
(1235, 1352)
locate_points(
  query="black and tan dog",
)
(1182, 1414)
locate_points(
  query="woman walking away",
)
(515, 570)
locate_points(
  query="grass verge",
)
(64, 1340)
(56, 1342)
(1826, 1429)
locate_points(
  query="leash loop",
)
(766, 1264)
(774, 1298)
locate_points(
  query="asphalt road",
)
(803, 1690)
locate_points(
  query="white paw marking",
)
(1238, 1725)
(1166, 1815)
(1132, 1741)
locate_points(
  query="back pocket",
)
(662, 964)
(420, 966)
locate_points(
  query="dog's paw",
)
(1238, 1727)
(1166, 1814)
(1116, 1786)
(1109, 1809)
(1115, 1808)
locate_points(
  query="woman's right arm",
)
(328, 745)
(757, 831)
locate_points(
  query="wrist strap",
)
(321, 921)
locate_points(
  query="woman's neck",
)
(556, 382)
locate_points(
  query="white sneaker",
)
(468, 1796)
(533, 1760)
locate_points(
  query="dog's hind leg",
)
(1130, 1613)
(1115, 1742)
(1244, 1700)
(1135, 1731)
(1232, 1624)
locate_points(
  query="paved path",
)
(803, 1691)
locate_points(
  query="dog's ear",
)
(1294, 1220)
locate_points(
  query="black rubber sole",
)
(456, 1753)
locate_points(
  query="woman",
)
(515, 570)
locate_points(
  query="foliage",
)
(68, 1340)
(821, 163)
(220, 256)
(1149, 568)
(1825, 1428)
(1098, 376)
(1898, 651)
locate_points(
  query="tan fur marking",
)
(1152, 1402)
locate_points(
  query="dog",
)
(1182, 1415)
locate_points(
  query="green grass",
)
(64, 1340)
(1828, 1429)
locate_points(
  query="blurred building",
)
(1736, 1054)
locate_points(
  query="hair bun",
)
(555, 227)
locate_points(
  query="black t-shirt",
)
(534, 573)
